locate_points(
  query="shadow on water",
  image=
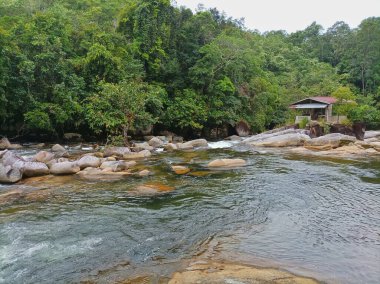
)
(314, 216)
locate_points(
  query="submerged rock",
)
(227, 163)
(180, 170)
(151, 189)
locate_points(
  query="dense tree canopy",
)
(109, 66)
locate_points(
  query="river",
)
(315, 217)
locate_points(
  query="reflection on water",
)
(310, 216)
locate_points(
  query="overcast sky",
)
(292, 15)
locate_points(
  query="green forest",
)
(111, 68)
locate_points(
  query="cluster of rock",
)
(301, 138)
(113, 161)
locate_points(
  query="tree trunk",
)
(125, 135)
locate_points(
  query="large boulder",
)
(88, 161)
(64, 168)
(9, 174)
(155, 142)
(333, 140)
(372, 134)
(137, 155)
(242, 128)
(272, 133)
(286, 140)
(116, 151)
(4, 143)
(117, 166)
(32, 169)
(171, 147)
(183, 146)
(58, 148)
(227, 163)
(196, 143)
(137, 147)
(44, 157)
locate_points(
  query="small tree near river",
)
(119, 108)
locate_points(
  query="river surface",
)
(315, 217)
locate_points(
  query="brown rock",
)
(242, 128)
(180, 170)
(217, 272)
(227, 163)
(43, 157)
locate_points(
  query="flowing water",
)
(319, 218)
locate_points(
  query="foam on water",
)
(221, 144)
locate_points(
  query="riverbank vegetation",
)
(109, 67)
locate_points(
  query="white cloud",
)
(292, 15)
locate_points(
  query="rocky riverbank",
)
(119, 162)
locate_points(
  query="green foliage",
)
(303, 123)
(95, 66)
(345, 100)
(188, 110)
(125, 106)
(367, 114)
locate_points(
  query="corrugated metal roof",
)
(309, 106)
(329, 100)
(324, 100)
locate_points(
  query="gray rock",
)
(196, 143)
(44, 157)
(4, 143)
(142, 146)
(88, 161)
(285, 140)
(171, 147)
(32, 169)
(117, 166)
(177, 139)
(372, 134)
(9, 174)
(137, 155)
(116, 151)
(184, 146)
(64, 168)
(58, 148)
(155, 142)
(333, 140)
